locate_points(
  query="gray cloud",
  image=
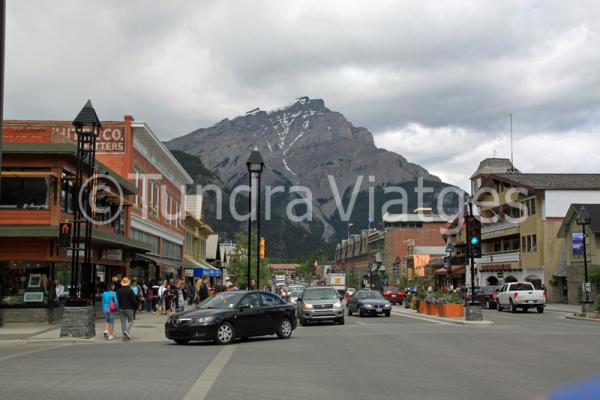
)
(385, 65)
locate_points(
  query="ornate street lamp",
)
(87, 129)
(584, 218)
(255, 165)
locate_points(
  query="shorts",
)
(110, 317)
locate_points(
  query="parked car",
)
(487, 296)
(520, 295)
(393, 294)
(465, 293)
(368, 302)
(230, 315)
(320, 303)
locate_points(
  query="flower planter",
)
(431, 309)
(452, 310)
(422, 308)
(441, 310)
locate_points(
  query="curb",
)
(445, 320)
(582, 318)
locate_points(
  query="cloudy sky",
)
(434, 81)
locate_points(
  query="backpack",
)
(136, 289)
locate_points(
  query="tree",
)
(238, 262)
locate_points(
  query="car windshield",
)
(295, 290)
(320, 294)
(392, 289)
(521, 286)
(369, 295)
(222, 300)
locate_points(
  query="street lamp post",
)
(449, 250)
(584, 218)
(255, 165)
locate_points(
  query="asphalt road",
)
(400, 357)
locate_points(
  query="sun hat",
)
(125, 281)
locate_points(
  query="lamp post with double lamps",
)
(584, 218)
(255, 165)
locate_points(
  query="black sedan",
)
(230, 315)
(368, 302)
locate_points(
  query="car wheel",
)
(285, 329)
(361, 313)
(181, 341)
(388, 314)
(349, 311)
(302, 321)
(498, 307)
(513, 308)
(540, 309)
(225, 333)
(341, 321)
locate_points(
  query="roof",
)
(87, 116)
(553, 181)
(593, 209)
(493, 166)
(426, 218)
(282, 267)
(166, 163)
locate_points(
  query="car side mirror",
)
(244, 307)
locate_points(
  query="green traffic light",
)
(474, 240)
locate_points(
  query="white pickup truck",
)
(520, 295)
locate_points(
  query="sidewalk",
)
(456, 321)
(147, 327)
(566, 308)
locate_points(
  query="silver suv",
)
(320, 303)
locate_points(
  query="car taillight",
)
(516, 295)
(386, 293)
(494, 296)
(545, 296)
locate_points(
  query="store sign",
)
(112, 254)
(189, 272)
(110, 141)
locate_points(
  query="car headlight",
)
(307, 306)
(387, 305)
(203, 320)
(337, 304)
(368, 306)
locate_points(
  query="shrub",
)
(598, 303)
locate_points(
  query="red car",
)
(393, 294)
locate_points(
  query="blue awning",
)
(211, 272)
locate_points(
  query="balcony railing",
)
(511, 257)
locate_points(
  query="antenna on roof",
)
(512, 169)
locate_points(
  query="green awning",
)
(191, 263)
(68, 149)
(51, 231)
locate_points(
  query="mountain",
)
(302, 144)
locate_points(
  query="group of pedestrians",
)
(123, 300)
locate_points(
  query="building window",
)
(66, 193)
(138, 185)
(25, 193)
(25, 283)
(177, 214)
(529, 243)
(171, 250)
(152, 240)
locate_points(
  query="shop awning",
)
(166, 264)
(212, 272)
(200, 268)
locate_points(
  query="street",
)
(404, 356)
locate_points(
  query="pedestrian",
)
(191, 291)
(136, 291)
(127, 305)
(110, 305)
(169, 295)
(180, 295)
(252, 285)
(149, 297)
(204, 289)
(228, 286)
(162, 295)
(59, 290)
(155, 296)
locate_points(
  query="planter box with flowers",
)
(451, 306)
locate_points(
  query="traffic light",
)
(474, 226)
(262, 248)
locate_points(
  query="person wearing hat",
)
(127, 304)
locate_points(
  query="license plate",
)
(530, 301)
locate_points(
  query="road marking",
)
(401, 314)
(28, 352)
(360, 322)
(208, 377)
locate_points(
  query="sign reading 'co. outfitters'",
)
(110, 141)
